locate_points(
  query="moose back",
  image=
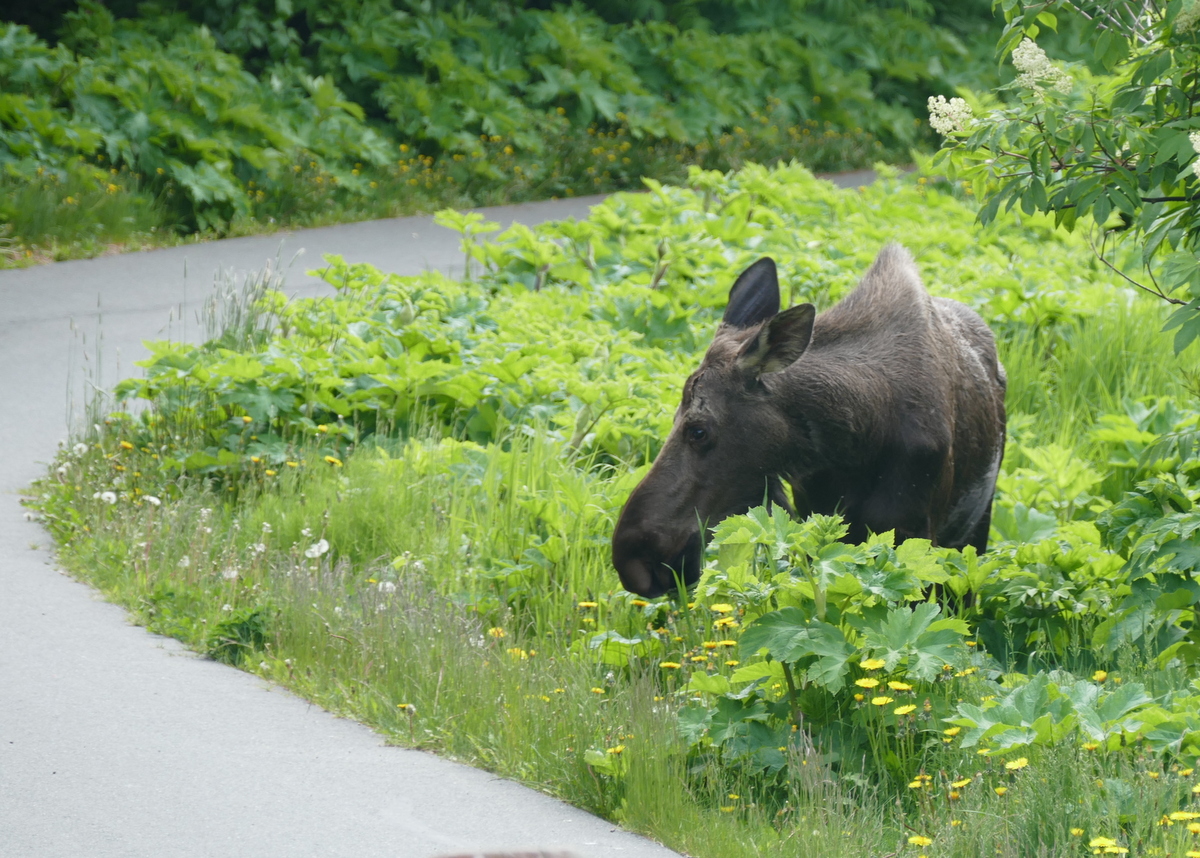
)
(888, 409)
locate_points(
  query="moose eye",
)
(697, 434)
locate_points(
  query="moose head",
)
(728, 443)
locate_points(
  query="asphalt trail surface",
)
(117, 742)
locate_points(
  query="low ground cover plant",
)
(398, 499)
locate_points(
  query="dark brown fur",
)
(888, 408)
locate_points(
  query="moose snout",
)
(651, 566)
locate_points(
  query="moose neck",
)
(836, 409)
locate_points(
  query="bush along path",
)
(148, 130)
(398, 502)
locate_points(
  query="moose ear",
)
(780, 342)
(754, 297)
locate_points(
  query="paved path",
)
(117, 742)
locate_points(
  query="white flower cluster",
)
(1036, 69)
(1187, 17)
(946, 117)
(1195, 138)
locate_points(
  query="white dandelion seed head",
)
(109, 498)
(153, 501)
(259, 548)
(61, 470)
(387, 587)
(266, 527)
(947, 117)
(317, 549)
(227, 607)
(230, 574)
(184, 562)
(306, 533)
(79, 449)
(205, 513)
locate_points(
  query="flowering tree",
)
(1116, 141)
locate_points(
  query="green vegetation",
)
(398, 502)
(130, 126)
(1109, 143)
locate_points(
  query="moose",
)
(887, 408)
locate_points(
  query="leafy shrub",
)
(181, 115)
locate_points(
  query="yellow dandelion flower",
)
(1091, 746)
(866, 682)
(1194, 827)
(955, 823)
(269, 472)
(1001, 790)
(726, 623)
(1184, 816)
(334, 460)
(125, 445)
(721, 608)
(1100, 675)
(588, 604)
(710, 644)
(899, 686)
(1196, 789)
(882, 701)
(904, 710)
(292, 464)
(1017, 764)
(615, 750)
(497, 632)
(859, 697)
(1077, 832)
(961, 783)
(1185, 773)
(733, 662)
(920, 840)
(638, 603)
(1152, 775)
(597, 691)
(952, 731)
(726, 643)
(872, 663)
(953, 795)
(670, 665)
(1192, 853)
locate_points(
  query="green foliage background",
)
(207, 110)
